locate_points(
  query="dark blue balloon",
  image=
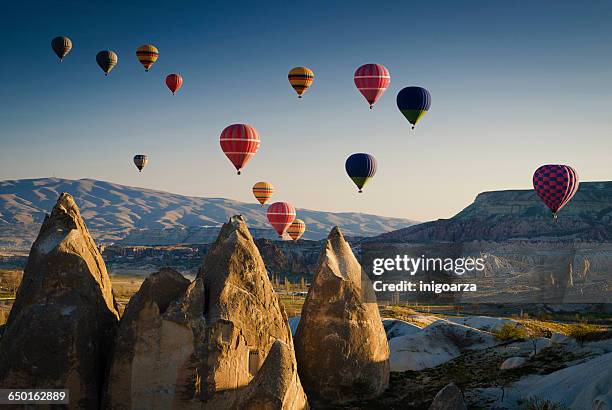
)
(360, 167)
(414, 98)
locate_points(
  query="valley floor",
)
(477, 372)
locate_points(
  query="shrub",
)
(508, 332)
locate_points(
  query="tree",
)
(287, 285)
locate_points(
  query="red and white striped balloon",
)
(239, 142)
(372, 80)
(280, 216)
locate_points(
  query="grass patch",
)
(588, 333)
(535, 403)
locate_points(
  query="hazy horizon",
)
(513, 86)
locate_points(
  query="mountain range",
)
(138, 216)
(519, 215)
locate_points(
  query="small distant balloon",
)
(296, 229)
(147, 55)
(556, 185)
(413, 102)
(372, 81)
(107, 60)
(174, 82)
(140, 161)
(280, 216)
(300, 79)
(262, 191)
(240, 143)
(360, 167)
(61, 46)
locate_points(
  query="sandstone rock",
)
(560, 338)
(153, 355)
(341, 345)
(396, 328)
(585, 385)
(513, 363)
(449, 398)
(277, 384)
(220, 342)
(243, 315)
(61, 326)
(436, 344)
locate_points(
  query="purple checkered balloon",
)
(555, 185)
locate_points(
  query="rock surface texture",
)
(243, 316)
(436, 344)
(449, 398)
(221, 341)
(153, 357)
(341, 346)
(61, 326)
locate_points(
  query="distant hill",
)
(519, 214)
(138, 216)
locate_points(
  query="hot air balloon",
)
(61, 46)
(263, 191)
(372, 80)
(300, 79)
(296, 229)
(361, 168)
(413, 102)
(239, 142)
(174, 82)
(107, 60)
(280, 215)
(555, 185)
(147, 55)
(140, 161)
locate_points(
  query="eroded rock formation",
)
(153, 356)
(220, 342)
(341, 346)
(243, 315)
(61, 326)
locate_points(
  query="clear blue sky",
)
(514, 85)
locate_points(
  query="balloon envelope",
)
(239, 142)
(300, 79)
(140, 161)
(360, 167)
(107, 60)
(556, 185)
(413, 102)
(263, 191)
(296, 229)
(174, 82)
(280, 216)
(372, 81)
(61, 46)
(147, 55)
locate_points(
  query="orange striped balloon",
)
(296, 229)
(147, 55)
(263, 191)
(300, 79)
